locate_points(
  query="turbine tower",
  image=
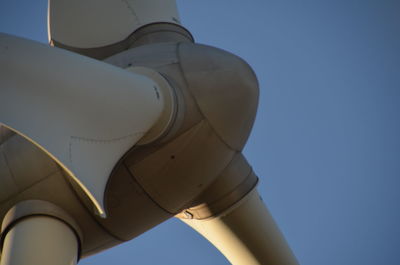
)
(124, 123)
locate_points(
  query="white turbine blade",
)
(82, 112)
(98, 23)
(246, 234)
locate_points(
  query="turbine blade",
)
(99, 23)
(246, 234)
(84, 113)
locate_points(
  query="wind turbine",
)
(96, 151)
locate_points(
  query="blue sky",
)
(326, 142)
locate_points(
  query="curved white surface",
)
(40, 240)
(82, 112)
(97, 23)
(247, 234)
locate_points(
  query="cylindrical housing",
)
(40, 240)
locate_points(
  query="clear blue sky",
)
(326, 143)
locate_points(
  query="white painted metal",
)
(166, 118)
(84, 113)
(40, 240)
(97, 23)
(246, 234)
